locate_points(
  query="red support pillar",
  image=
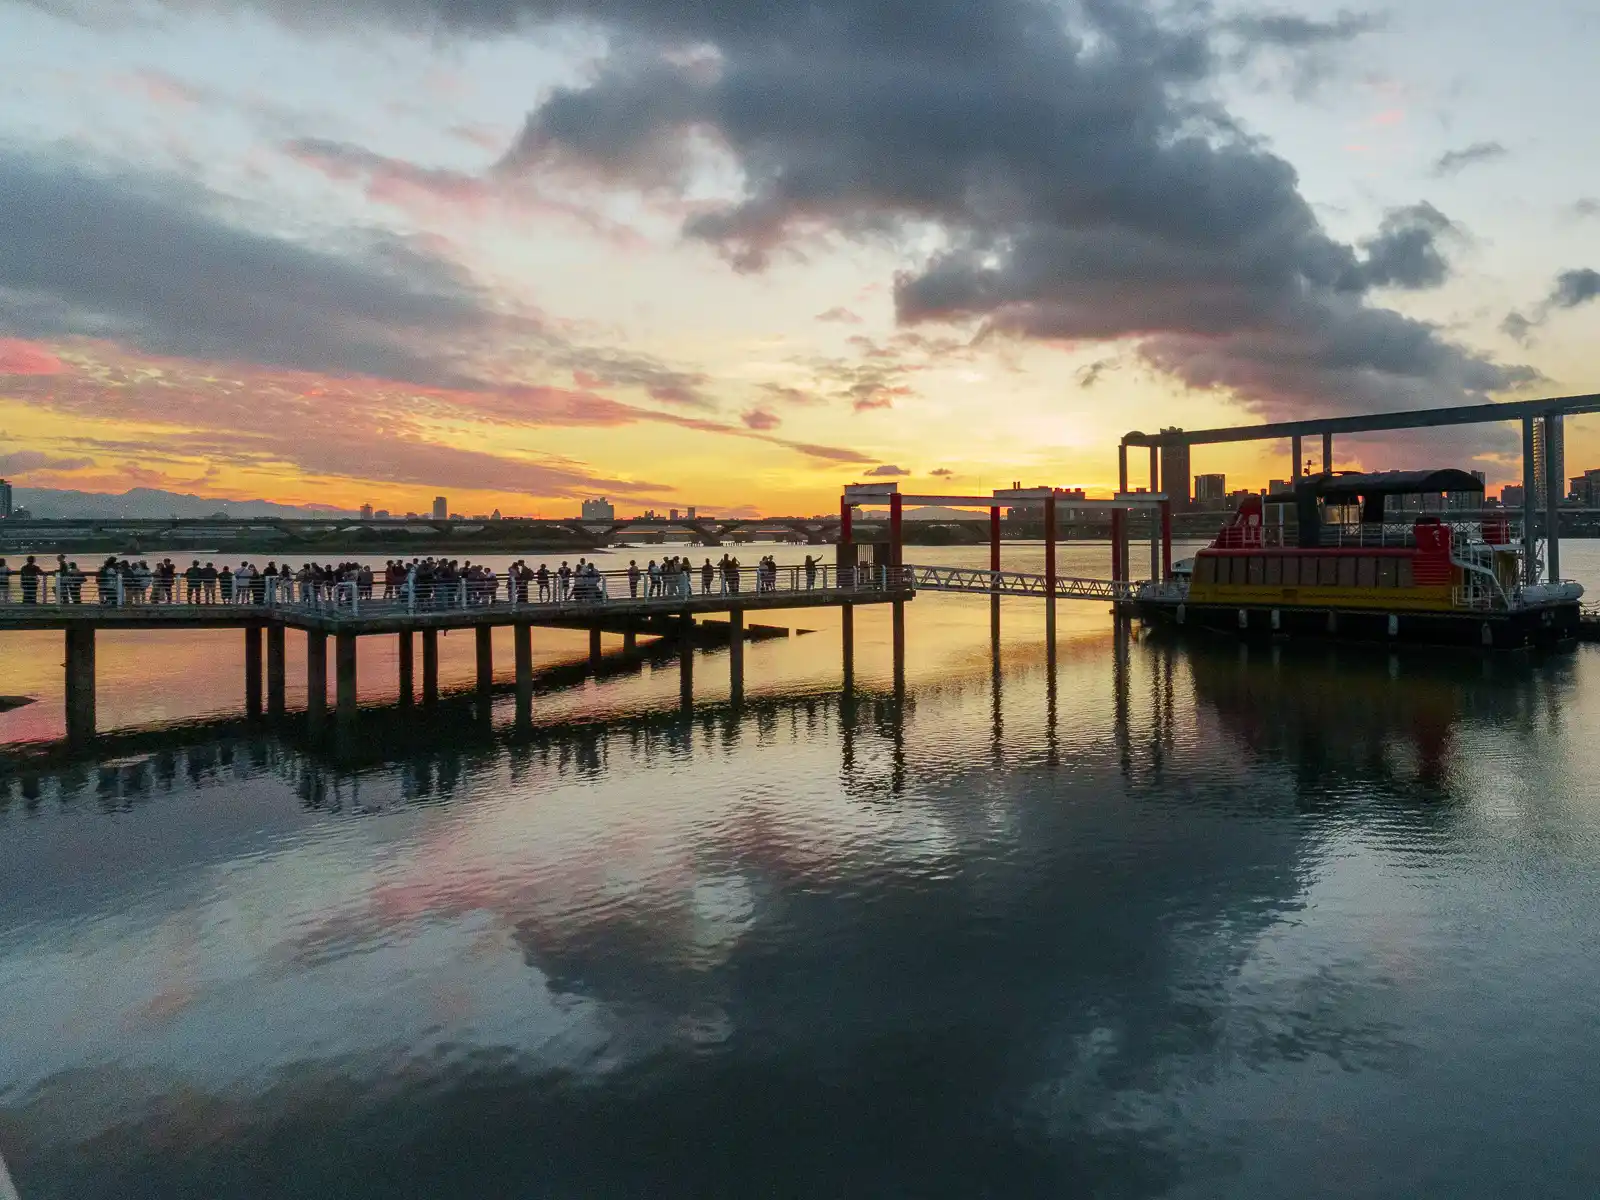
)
(1118, 567)
(845, 511)
(895, 531)
(1166, 539)
(994, 538)
(1050, 546)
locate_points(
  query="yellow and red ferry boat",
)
(1349, 568)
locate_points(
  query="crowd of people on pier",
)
(422, 582)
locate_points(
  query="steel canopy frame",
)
(1549, 412)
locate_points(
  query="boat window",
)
(1327, 571)
(1388, 572)
(1274, 570)
(1347, 571)
(1406, 577)
(1257, 568)
(1366, 572)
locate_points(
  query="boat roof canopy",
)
(1348, 484)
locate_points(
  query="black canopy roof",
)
(1349, 484)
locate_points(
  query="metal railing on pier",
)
(60, 589)
(1019, 583)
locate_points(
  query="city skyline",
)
(523, 255)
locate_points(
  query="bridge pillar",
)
(994, 537)
(736, 653)
(896, 530)
(485, 640)
(316, 678)
(595, 653)
(1119, 563)
(1554, 486)
(430, 667)
(252, 670)
(1327, 454)
(1530, 503)
(407, 668)
(1166, 541)
(522, 643)
(275, 670)
(80, 683)
(1155, 469)
(686, 663)
(1122, 468)
(1294, 453)
(344, 687)
(1050, 563)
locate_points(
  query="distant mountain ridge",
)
(154, 504)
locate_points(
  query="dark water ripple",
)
(1127, 919)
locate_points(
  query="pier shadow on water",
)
(1093, 916)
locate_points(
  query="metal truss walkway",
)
(1018, 583)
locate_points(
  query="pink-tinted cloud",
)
(760, 418)
(841, 314)
(18, 357)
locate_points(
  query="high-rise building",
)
(1585, 490)
(1558, 445)
(441, 508)
(1175, 472)
(1210, 491)
(672, 514)
(366, 512)
(1466, 500)
(382, 514)
(599, 509)
(5, 499)
(1511, 495)
(691, 512)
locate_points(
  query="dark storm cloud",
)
(1290, 31)
(1405, 253)
(1070, 164)
(1573, 288)
(1570, 289)
(1084, 184)
(1452, 161)
(146, 262)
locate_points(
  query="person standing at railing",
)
(30, 573)
(633, 578)
(811, 572)
(191, 583)
(708, 574)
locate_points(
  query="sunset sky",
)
(736, 254)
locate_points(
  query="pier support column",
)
(1049, 567)
(1122, 468)
(345, 678)
(316, 678)
(522, 643)
(430, 666)
(1166, 540)
(407, 669)
(80, 683)
(686, 662)
(252, 670)
(1530, 504)
(1119, 562)
(1294, 454)
(736, 653)
(847, 641)
(630, 641)
(1554, 485)
(1327, 454)
(594, 649)
(275, 671)
(899, 619)
(485, 636)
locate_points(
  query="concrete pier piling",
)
(736, 653)
(80, 683)
(430, 666)
(522, 644)
(316, 678)
(407, 667)
(345, 677)
(485, 642)
(275, 671)
(252, 670)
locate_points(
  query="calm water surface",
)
(1136, 917)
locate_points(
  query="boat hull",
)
(1542, 626)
